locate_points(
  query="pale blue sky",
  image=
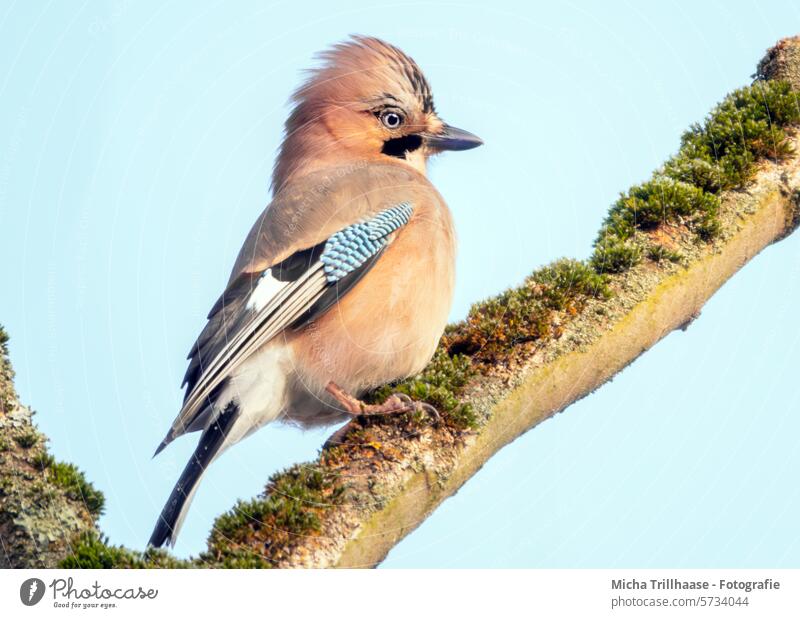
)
(137, 142)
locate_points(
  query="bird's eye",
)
(391, 120)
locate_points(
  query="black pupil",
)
(391, 120)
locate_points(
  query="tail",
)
(174, 512)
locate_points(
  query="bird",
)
(345, 280)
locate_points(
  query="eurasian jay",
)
(344, 282)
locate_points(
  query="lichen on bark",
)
(41, 512)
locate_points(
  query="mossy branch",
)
(44, 504)
(665, 247)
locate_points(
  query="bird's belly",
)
(388, 326)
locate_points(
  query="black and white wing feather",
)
(257, 307)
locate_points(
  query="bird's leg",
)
(395, 404)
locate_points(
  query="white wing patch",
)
(266, 289)
(278, 311)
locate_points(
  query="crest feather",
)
(352, 74)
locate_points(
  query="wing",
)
(258, 306)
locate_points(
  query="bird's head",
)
(367, 101)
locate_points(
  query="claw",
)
(395, 404)
(411, 405)
(430, 410)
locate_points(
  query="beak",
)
(451, 138)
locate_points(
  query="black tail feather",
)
(171, 518)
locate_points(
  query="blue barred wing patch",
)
(351, 247)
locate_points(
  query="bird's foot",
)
(395, 404)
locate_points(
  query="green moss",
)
(65, 476)
(494, 326)
(566, 280)
(695, 170)
(662, 200)
(27, 439)
(290, 507)
(291, 502)
(646, 206)
(5, 365)
(92, 551)
(613, 255)
(439, 385)
(794, 218)
(6, 373)
(708, 228)
(234, 557)
(77, 487)
(659, 253)
(42, 460)
(749, 125)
